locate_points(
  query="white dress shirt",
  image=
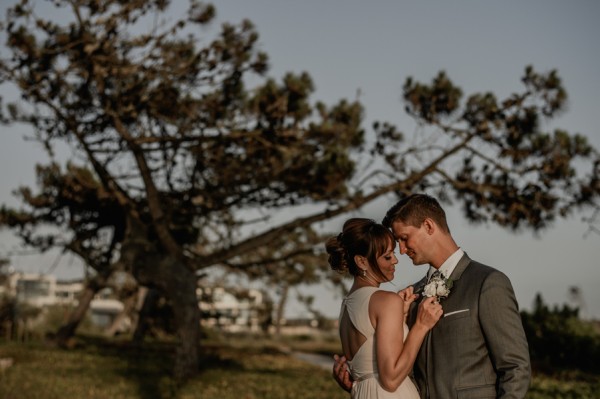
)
(449, 264)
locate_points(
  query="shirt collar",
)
(449, 264)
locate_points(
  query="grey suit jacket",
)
(478, 349)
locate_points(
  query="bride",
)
(379, 349)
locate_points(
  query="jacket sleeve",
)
(503, 331)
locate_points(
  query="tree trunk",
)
(150, 298)
(182, 292)
(67, 330)
(178, 283)
(280, 309)
(129, 308)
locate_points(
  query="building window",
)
(31, 289)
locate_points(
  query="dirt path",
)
(325, 362)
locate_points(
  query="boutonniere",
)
(438, 286)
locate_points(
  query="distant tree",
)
(4, 271)
(559, 340)
(178, 167)
(593, 223)
(7, 303)
(285, 263)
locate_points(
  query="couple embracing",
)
(457, 333)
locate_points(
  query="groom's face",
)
(412, 242)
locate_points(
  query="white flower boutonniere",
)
(439, 286)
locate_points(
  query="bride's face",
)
(387, 262)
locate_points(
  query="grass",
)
(107, 369)
(232, 367)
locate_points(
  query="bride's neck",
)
(365, 281)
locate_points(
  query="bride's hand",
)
(408, 296)
(430, 311)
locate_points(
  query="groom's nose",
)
(402, 248)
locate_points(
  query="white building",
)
(233, 313)
(41, 291)
(220, 308)
(33, 289)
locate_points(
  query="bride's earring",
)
(364, 272)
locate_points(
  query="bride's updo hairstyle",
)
(362, 237)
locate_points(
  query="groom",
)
(478, 349)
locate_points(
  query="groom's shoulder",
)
(481, 269)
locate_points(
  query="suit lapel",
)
(417, 289)
(419, 286)
(460, 267)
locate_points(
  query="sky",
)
(352, 46)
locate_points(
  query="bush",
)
(559, 340)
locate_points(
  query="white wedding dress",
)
(363, 367)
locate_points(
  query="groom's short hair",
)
(414, 209)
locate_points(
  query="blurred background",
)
(366, 51)
(354, 52)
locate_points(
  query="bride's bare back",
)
(351, 338)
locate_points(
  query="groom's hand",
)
(341, 374)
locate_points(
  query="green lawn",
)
(232, 368)
(108, 370)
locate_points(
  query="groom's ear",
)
(429, 226)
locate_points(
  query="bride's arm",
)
(395, 358)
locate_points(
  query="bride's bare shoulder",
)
(386, 298)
